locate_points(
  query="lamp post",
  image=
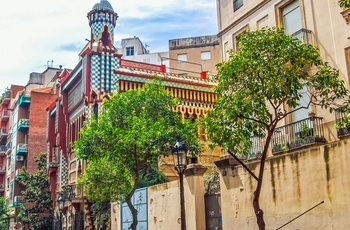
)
(179, 151)
(61, 200)
(66, 195)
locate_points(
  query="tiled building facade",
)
(80, 93)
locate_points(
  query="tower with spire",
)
(101, 57)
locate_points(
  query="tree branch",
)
(243, 165)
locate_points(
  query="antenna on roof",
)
(146, 45)
(49, 63)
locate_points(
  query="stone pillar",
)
(230, 185)
(194, 196)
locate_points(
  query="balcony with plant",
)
(298, 134)
(342, 121)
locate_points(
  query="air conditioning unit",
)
(19, 158)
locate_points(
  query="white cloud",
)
(33, 32)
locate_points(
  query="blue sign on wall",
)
(139, 200)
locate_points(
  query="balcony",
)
(18, 200)
(18, 173)
(22, 149)
(3, 132)
(305, 36)
(53, 162)
(8, 147)
(257, 148)
(298, 134)
(23, 125)
(342, 121)
(5, 114)
(24, 101)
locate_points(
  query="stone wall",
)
(293, 183)
(164, 203)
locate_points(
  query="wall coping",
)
(226, 161)
(195, 170)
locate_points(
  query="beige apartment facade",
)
(311, 175)
(194, 56)
(322, 23)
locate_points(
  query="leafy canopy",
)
(261, 83)
(37, 194)
(4, 213)
(133, 129)
(344, 3)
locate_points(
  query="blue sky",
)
(34, 32)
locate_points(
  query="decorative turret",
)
(102, 20)
(100, 55)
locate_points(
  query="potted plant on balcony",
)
(279, 147)
(306, 133)
(343, 126)
(304, 136)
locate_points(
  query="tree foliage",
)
(260, 85)
(133, 129)
(344, 3)
(39, 207)
(101, 214)
(4, 213)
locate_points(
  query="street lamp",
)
(66, 195)
(61, 200)
(179, 151)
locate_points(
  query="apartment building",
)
(305, 174)
(24, 131)
(195, 56)
(134, 50)
(6, 101)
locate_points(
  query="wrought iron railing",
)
(342, 121)
(257, 147)
(305, 36)
(22, 148)
(297, 134)
(8, 146)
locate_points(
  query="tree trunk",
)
(132, 209)
(259, 213)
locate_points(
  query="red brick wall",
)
(15, 89)
(37, 130)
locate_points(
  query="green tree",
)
(260, 85)
(39, 207)
(133, 130)
(344, 3)
(101, 214)
(4, 214)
